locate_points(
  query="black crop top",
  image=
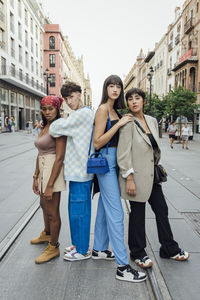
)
(114, 140)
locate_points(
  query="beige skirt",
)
(45, 167)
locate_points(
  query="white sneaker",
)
(127, 273)
(107, 255)
(75, 256)
(69, 249)
(144, 262)
(181, 256)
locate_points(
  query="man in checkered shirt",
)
(78, 129)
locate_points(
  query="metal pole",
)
(150, 96)
(47, 85)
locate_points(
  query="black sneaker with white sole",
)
(127, 273)
(107, 255)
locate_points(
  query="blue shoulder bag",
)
(97, 163)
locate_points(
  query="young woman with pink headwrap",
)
(48, 179)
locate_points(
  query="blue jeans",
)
(109, 224)
(80, 214)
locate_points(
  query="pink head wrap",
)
(52, 100)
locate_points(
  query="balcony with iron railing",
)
(177, 39)
(189, 25)
(17, 78)
(170, 46)
(189, 56)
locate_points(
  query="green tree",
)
(158, 107)
(181, 102)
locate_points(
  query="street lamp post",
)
(149, 76)
(47, 78)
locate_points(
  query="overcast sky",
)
(110, 33)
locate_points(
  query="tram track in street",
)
(17, 229)
(152, 282)
(16, 154)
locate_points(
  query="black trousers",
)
(137, 235)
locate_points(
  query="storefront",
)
(19, 106)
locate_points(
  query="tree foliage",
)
(181, 102)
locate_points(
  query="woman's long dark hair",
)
(113, 79)
(44, 120)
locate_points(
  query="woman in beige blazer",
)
(138, 152)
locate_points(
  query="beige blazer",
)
(135, 152)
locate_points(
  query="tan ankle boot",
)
(43, 238)
(49, 253)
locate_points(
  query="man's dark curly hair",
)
(69, 87)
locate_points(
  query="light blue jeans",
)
(80, 214)
(109, 224)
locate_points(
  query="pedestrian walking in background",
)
(171, 130)
(185, 133)
(138, 153)
(13, 124)
(166, 125)
(78, 128)
(9, 124)
(36, 130)
(48, 179)
(109, 220)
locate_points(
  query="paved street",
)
(17, 162)
(20, 278)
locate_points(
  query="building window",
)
(32, 82)
(2, 12)
(27, 101)
(13, 70)
(12, 3)
(12, 47)
(32, 64)
(52, 60)
(27, 78)
(197, 7)
(36, 31)
(12, 28)
(20, 54)
(37, 70)
(26, 57)
(26, 16)
(52, 42)
(36, 49)
(21, 74)
(179, 27)
(26, 38)
(19, 31)
(32, 25)
(32, 45)
(52, 80)
(2, 39)
(3, 65)
(13, 98)
(19, 8)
